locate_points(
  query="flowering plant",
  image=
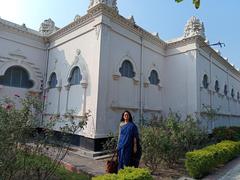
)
(21, 138)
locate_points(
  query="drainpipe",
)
(228, 99)
(141, 84)
(84, 86)
(211, 98)
(45, 79)
(211, 91)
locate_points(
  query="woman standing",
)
(129, 149)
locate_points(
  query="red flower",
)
(8, 106)
(16, 95)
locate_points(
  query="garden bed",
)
(175, 172)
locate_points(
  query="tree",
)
(195, 2)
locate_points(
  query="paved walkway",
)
(78, 163)
(90, 166)
(231, 171)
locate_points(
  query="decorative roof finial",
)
(47, 27)
(109, 3)
(131, 19)
(194, 27)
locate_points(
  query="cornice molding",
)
(81, 21)
(128, 24)
(15, 28)
(209, 50)
(102, 9)
(182, 42)
(200, 41)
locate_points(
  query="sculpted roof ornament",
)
(19, 28)
(109, 3)
(77, 17)
(207, 41)
(24, 26)
(155, 34)
(47, 27)
(194, 27)
(131, 19)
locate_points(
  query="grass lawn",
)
(32, 166)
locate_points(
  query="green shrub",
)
(128, 173)
(21, 143)
(106, 177)
(111, 144)
(226, 133)
(63, 174)
(200, 162)
(134, 174)
(166, 140)
(154, 144)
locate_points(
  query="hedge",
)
(226, 133)
(200, 162)
(128, 173)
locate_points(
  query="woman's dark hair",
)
(130, 116)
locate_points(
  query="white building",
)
(106, 63)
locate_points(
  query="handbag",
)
(112, 165)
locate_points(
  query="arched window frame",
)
(52, 83)
(79, 62)
(154, 77)
(126, 69)
(205, 81)
(116, 74)
(75, 76)
(216, 87)
(225, 90)
(16, 76)
(232, 93)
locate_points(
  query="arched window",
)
(205, 81)
(232, 93)
(217, 86)
(52, 80)
(75, 76)
(225, 90)
(126, 69)
(153, 78)
(238, 95)
(16, 76)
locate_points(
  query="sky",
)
(221, 18)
